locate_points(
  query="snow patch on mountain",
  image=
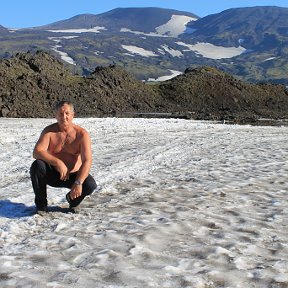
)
(64, 56)
(150, 34)
(13, 30)
(57, 39)
(139, 51)
(269, 59)
(147, 53)
(211, 51)
(173, 74)
(96, 29)
(175, 26)
(172, 52)
(97, 53)
(189, 30)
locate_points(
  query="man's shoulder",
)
(51, 128)
(81, 132)
(80, 129)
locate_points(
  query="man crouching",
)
(63, 159)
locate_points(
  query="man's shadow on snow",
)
(12, 210)
(15, 210)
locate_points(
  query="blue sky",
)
(29, 13)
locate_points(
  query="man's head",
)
(64, 112)
(60, 104)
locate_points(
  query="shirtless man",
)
(63, 159)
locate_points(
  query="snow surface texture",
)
(180, 204)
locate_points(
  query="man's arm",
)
(86, 158)
(41, 152)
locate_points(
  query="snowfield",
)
(212, 51)
(138, 50)
(64, 56)
(96, 29)
(179, 204)
(175, 26)
(173, 74)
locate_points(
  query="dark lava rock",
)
(209, 93)
(30, 84)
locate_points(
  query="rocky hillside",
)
(212, 94)
(31, 83)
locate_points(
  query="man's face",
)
(65, 115)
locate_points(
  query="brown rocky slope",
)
(31, 83)
(212, 94)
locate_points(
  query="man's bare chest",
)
(61, 143)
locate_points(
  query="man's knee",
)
(38, 167)
(90, 185)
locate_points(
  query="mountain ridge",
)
(154, 49)
(145, 19)
(270, 19)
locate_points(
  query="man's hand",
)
(63, 170)
(76, 191)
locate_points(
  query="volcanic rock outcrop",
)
(30, 84)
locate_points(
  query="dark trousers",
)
(43, 174)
